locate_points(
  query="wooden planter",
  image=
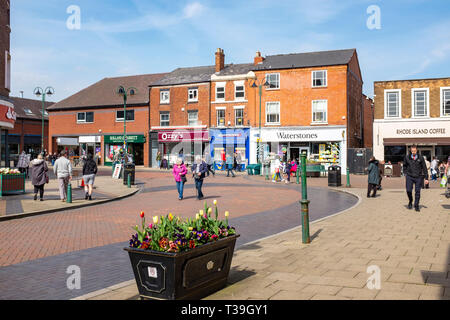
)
(192, 274)
(12, 183)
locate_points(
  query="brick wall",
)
(179, 100)
(25, 126)
(434, 86)
(368, 122)
(4, 42)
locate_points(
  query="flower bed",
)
(174, 258)
(11, 181)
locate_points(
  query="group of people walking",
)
(416, 170)
(284, 170)
(62, 168)
(199, 172)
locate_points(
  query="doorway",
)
(426, 152)
(296, 151)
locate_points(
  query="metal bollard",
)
(305, 203)
(69, 193)
(297, 174)
(267, 169)
(129, 180)
(348, 178)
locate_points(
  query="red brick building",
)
(7, 112)
(27, 132)
(368, 117)
(92, 120)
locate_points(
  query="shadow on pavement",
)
(237, 275)
(438, 277)
(316, 234)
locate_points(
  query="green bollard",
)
(348, 178)
(129, 180)
(305, 203)
(297, 175)
(69, 193)
(267, 169)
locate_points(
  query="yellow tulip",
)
(227, 214)
(197, 216)
(170, 217)
(209, 210)
(155, 219)
(201, 212)
(215, 202)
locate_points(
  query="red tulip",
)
(142, 214)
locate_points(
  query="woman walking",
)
(158, 159)
(179, 173)
(39, 176)
(89, 172)
(374, 176)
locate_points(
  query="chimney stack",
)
(220, 60)
(258, 58)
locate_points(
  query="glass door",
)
(426, 152)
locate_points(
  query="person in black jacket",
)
(415, 170)
(199, 170)
(89, 172)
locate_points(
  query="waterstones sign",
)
(335, 134)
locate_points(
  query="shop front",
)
(323, 145)
(392, 139)
(91, 145)
(185, 143)
(230, 141)
(114, 143)
(7, 120)
(70, 145)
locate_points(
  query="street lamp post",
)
(38, 91)
(259, 84)
(125, 93)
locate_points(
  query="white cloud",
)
(193, 9)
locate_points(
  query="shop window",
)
(273, 79)
(221, 118)
(119, 115)
(164, 96)
(420, 102)
(392, 104)
(319, 78)
(193, 95)
(85, 117)
(192, 118)
(445, 111)
(220, 92)
(319, 111)
(272, 112)
(239, 117)
(394, 154)
(164, 119)
(239, 92)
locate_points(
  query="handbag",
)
(46, 178)
(183, 178)
(444, 182)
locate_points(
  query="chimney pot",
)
(220, 60)
(258, 58)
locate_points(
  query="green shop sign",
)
(130, 139)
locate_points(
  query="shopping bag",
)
(444, 182)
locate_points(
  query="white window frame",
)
(312, 79)
(84, 121)
(161, 100)
(224, 117)
(279, 81)
(441, 102)
(386, 92)
(190, 90)
(279, 114)
(326, 112)
(413, 90)
(196, 120)
(240, 108)
(122, 119)
(220, 85)
(239, 84)
(161, 113)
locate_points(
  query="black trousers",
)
(417, 183)
(372, 187)
(39, 189)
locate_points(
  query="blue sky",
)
(127, 37)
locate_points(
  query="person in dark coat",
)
(416, 173)
(374, 177)
(39, 176)
(89, 172)
(199, 170)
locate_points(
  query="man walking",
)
(63, 171)
(416, 172)
(230, 164)
(199, 169)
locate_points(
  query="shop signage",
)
(431, 131)
(117, 169)
(130, 139)
(89, 139)
(11, 114)
(283, 135)
(7, 115)
(183, 135)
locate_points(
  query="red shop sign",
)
(183, 135)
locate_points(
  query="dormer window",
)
(28, 111)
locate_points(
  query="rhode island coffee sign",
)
(423, 129)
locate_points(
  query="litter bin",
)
(257, 169)
(250, 169)
(334, 176)
(129, 169)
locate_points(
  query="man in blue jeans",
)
(416, 172)
(199, 169)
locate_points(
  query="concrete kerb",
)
(78, 206)
(131, 282)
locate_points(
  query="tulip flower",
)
(150, 226)
(197, 216)
(215, 202)
(227, 214)
(142, 214)
(155, 219)
(170, 217)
